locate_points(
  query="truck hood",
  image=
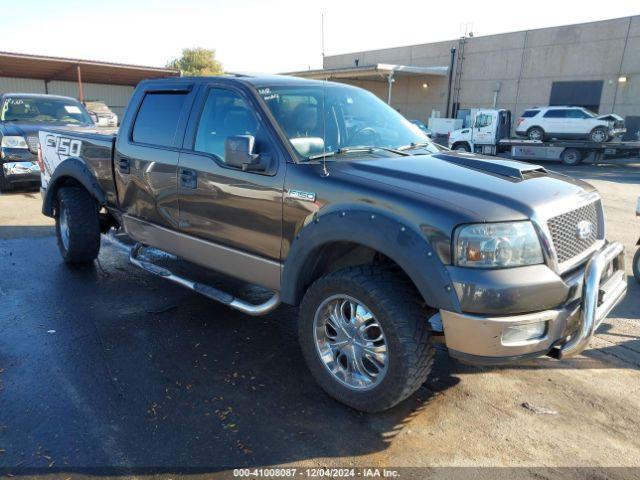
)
(469, 187)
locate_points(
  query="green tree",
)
(197, 62)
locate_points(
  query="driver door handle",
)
(188, 178)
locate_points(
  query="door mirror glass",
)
(238, 152)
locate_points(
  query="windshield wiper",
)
(362, 149)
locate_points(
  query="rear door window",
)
(157, 119)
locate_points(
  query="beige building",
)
(596, 65)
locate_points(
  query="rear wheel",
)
(571, 156)
(599, 135)
(364, 336)
(535, 133)
(77, 225)
(636, 265)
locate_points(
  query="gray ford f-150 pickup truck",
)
(384, 240)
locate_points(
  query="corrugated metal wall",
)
(27, 85)
(115, 96)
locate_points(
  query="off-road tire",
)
(83, 222)
(399, 310)
(636, 265)
(571, 157)
(541, 136)
(601, 138)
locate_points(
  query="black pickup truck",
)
(327, 197)
(22, 115)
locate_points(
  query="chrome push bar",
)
(598, 299)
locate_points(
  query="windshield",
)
(352, 118)
(44, 110)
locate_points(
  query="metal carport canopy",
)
(46, 68)
(384, 70)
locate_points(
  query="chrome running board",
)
(206, 290)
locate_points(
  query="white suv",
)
(574, 123)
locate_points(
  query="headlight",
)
(14, 142)
(497, 245)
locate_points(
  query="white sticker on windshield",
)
(72, 109)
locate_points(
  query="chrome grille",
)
(32, 142)
(564, 231)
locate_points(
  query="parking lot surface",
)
(109, 371)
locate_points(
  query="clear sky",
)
(269, 36)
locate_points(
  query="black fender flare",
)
(402, 243)
(76, 169)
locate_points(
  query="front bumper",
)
(19, 165)
(568, 329)
(19, 172)
(617, 132)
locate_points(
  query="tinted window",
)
(157, 118)
(555, 114)
(225, 114)
(530, 113)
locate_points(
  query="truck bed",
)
(94, 149)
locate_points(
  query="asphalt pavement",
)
(107, 371)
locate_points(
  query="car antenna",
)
(325, 172)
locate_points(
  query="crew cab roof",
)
(255, 80)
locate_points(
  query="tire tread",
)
(398, 298)
(84, 225)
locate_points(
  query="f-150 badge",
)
(300, 195)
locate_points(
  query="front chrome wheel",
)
(350, 342)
